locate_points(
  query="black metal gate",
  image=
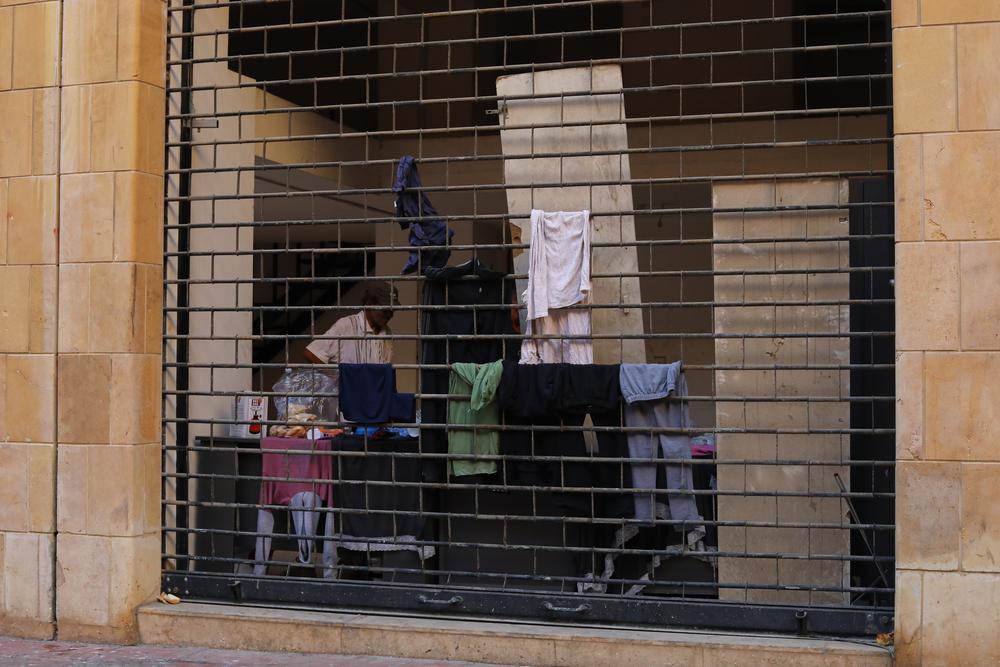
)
(732, 160)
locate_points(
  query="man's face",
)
(379, 319)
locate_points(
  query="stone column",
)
(948, 331)
(29, 164)
(110, 194)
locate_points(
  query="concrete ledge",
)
(510, 642)
(27, 628)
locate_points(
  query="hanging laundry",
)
(647, 389)
(558, 277)
(561, 337)
(368, 395)
(558, 262)
(468, 321)
(479, 383)
(298, 474)
(415, 212)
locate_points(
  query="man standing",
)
(361, 338)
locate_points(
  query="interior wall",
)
(755, 487)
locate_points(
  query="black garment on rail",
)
(477, 301)
(557, 397)
(377, 493)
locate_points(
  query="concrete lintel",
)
(503, 641)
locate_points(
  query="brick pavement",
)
(31, 653)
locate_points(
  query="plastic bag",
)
(315, 391)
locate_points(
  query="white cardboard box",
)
(246, 410)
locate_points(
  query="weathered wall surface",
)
(29, 257)
(948, 331)
(81, 181)
(753, 337)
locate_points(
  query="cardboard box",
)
(249, 411)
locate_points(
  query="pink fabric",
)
(285, 465)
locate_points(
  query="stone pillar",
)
(29, 152)
(110, 205)
(947, 145)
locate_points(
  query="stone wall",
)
(948, 331)
(81, 164)
(769, 333)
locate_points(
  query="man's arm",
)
(311, 358)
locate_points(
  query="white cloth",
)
(559, 261)
(303, 508)
(546, 343)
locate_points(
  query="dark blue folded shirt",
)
(368, 395)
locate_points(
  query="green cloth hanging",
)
(479, 382)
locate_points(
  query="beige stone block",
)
(3, 221)
(582, 653)
(109, 489)
(966, 11)
(30, 401)
(3, 398)
(978, 107)
(753, 194)
(924, 87)
(909, 187)
(16, 108)
(744, 383)
(776, 288)
(142, 29)
(36, 45)
(927, 515)
(14, 487)
(45, 131)
(42, 284)
(138, 217)
(909, 594)
(89, 45)
(956, 182)
(960, 617)
(980, 267)
(446, 646)
(77, 111)
(980, 518)
(960, 406)
(72, 475)
(135, 393)
(113, 127)
(927, 296)
(905, 13)
(744, 319)
(27, 576)
(87, 217)
(84, 398)
(74, 308)
(910, 405)
(117, 313)
(41, 492)
(743, 257)
(84, 578)
(154, 309)
(15, 309)
(776, 351)
(32, 220)
(6, 47)
(814, 384)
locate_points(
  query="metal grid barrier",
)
(735, 158)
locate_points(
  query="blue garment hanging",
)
(414, 211)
